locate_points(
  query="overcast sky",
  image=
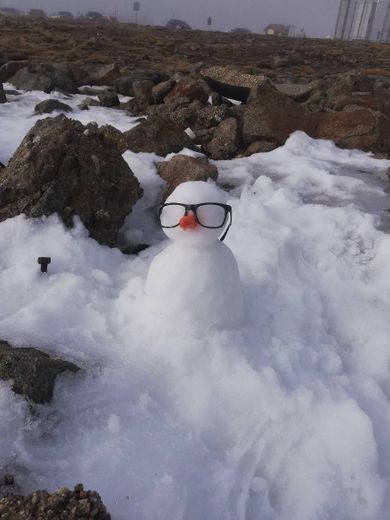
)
(317, 17)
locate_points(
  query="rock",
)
(96, 74)
(108, 98)
(33, 372)
(114, 137)
(298, 92)
(8, 486)
(46, 77)
(216, 99)
(204, 135)
(124, 84)
(3, 98)
(61, 505)
(260, 147)
(134, 249)
(143, 92)
(10, 68)
(161, 90)
(182, 168)
(361, 128)
(273, 116)
(226, 140)
(210, 116)
(88, 102)
(66, 168)
(231, 83)
(157, 135)
(48, 106)
(184, 117)
(191, 89)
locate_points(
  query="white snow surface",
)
(284, 418)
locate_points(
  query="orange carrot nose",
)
(188, 222)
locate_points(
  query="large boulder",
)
(183, 168)
(272, 116)
(192, 89)
(361, 128)
(7, 70)
(64, 167)
(158, 135)
(64, 504)
(50, 105)
(124, 84)
(96, 74)
(46, 77)
(33, 373)
(231, 83)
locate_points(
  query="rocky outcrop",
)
(64, 504)
(48, 106)
(157, 135)
(359, 128)
(183, 168)
(33, 372)
(231, 83)
(66, 168)
(46, 77)
(124, 84)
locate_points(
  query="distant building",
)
(355, 19)
(276, 29)
(384, 34)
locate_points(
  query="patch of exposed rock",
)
(64, 504)
(49, 105)
(66, 168)
(46, 77)
(32, 371)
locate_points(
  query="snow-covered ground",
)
(284, 418)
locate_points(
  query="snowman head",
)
(195, 213)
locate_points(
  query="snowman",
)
(196, 276)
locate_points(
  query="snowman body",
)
(196, 276)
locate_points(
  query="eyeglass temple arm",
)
(222, 238)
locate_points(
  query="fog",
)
(316, 17)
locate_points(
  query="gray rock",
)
(159, 135)
(161, 90)
(66, 168)
(124, 84)
(46, 77)
(3, 98)
(231, 83)
(109, 98)
(48, 106)
(10, 68)
(33, 372)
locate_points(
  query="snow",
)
(284, 418)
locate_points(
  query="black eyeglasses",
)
(211, 215)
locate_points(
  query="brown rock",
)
(191, 89)
(66, 168)
(161, 90)
(157, 135)
(231, 83)
(182, 168)
(114, 137)
(226, 140)
(260, 147)
(143, 92)
(360, 128)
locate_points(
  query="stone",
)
(64, 504)
(359, 128)
(66, 168)
(3, 98)
(49, 105)
(33, 373)
(210, 116)
(191, 89)
(108, 98)
(260, 147)
(96, 74)
(298, 92)
(161, 90)
(114, 137)
(273, 116)
(46, 77)
(231, 83)
(124, 84)
(7, 70)
(226, 140)
(183, 168)
(143, 92)
(157, 135)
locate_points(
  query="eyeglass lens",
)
(209, 215)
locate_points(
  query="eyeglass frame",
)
(193, 208)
